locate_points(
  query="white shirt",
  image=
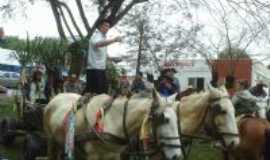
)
(97, 56)
(35, 93)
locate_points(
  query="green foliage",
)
(48, 51)
(233, 53)
(6, 107)
(22, 47)
(112, 76)
(77, 51)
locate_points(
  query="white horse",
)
(135, 110)
(212, 110)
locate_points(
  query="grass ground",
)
(199, 151)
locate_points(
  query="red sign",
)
(179, 63)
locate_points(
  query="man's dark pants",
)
(96, 81)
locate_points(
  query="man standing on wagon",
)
(96, 81)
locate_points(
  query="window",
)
(192, 82)
(10, 68)
(196, 82)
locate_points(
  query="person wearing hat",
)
(124, 84)
(37, 86)
(168, 84)
(258, 90)
(138, 84)
(73, 85)
(243, 101)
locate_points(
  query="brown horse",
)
(252, 139)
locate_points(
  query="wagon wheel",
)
(33, 146)
(7, 128)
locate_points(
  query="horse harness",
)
(106, 137)
(157, 120)
(211, 130)
(93, 134)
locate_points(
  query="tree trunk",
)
(139, 52)
(56, 14)
(78, 59)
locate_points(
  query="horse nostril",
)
(232, 145)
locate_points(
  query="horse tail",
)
(267, 145)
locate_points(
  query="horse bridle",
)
(212, 130)
(156, 120)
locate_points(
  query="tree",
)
(109, 9)
(233, 53)
(69, 27)
(113, 10)
(152, 37)
(51, 53)
(46, 51)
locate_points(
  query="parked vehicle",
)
(9, 68)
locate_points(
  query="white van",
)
(9, 68)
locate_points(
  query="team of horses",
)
(208, 113)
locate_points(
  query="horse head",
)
(163, 120)
(220, 120)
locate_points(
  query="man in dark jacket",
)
(168, 84)
(138, 83)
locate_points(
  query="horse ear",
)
(156, 99)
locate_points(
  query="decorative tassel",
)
(99, 126)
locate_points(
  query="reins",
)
(217, 134)
(106, 138)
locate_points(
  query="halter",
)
(216, 134)
(157, 120)
(110, 138)
(212, 129)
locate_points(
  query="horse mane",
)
(197, 97)
(185, 93)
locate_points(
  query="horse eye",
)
(223, 112)
(162, 119)
(166, 120)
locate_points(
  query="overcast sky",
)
(40, 22)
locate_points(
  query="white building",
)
(195, 73)
(260, 72)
